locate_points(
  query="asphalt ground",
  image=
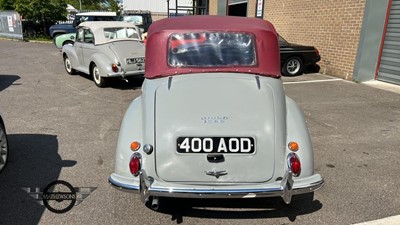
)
(64, 127)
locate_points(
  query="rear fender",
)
(102, 62)
(297, 131)
(131, 130)
(69, 51)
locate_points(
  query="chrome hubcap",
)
(96, 75)
(3, 148)
(293, 66)
(67, 65)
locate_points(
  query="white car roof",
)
(97, 27)
(97, 14)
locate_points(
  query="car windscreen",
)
(112, 33)
(135, 19)
(211, 49)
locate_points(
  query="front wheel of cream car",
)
(68, 66)
(98, 80)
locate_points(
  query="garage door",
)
(389, 69)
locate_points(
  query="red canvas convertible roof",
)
(266, 44)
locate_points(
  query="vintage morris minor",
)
(213, 120)
(105, 50)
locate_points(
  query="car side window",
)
(88, 36)
(80, 35)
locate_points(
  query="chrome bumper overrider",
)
(284, 188)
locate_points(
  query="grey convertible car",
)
(104, 50)
(213, 120)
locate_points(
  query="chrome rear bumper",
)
(284, 188)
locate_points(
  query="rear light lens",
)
(293, 146)
(114, 67)
(294, 164)
(135, 146)
(134, 164)
(316, 50)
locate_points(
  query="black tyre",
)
(68, 66)
(4, 152)
(98, 80)
(293, 66)
(68, 43)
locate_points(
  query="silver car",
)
(104, 50)
(213, 120)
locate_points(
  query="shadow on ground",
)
(118, 83)
(238, 208)
(7, 80)
(34, 162)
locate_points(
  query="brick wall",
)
(251, 8)
(333, 26)
(212, 7)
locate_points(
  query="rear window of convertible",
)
(211, 49)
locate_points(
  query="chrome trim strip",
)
(231, 193)
(124, 74)
(123, 187)
(146, 190)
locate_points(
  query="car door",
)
(78, 46)
(88, 48)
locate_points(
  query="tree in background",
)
(7, 5)
(111, 5)
(45, 12)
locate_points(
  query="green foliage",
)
(46, 11)
(111, 5)
(7, 5)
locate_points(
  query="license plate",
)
(135, 60)
(222, 145)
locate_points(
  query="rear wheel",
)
(293, 66)
(68, 43)
(98, 80)
(68, 66)
(3, 147)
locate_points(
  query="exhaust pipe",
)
(124, 79)
(154, 203)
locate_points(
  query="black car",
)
(296, 58)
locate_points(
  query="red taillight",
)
(294, 164)
(317, 51)
(134, 164)
(114, 67)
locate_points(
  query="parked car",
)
(67, 28)
(213, 120)
(104, 50)
(4, 153)
(140, 18)
(296, 58)
(64, 39)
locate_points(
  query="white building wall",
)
(155, 6)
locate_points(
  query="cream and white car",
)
(106, 49)
(213, 120)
